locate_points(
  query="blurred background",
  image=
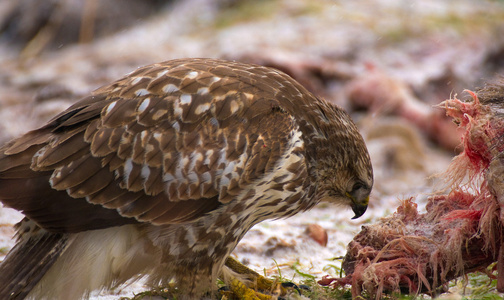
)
(388, 63)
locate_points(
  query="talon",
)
(260, 283)
(291, 285)
(224, 289)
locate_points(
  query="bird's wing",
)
(165, 144)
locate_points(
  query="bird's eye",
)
(357, 186)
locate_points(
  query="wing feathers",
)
(153, 153)
(158, 144)
(95, 183)
(132, 176)
(152, 110)
(36, 137)
(24, 158)
(123, 199)
(58, 151)
(187, 211)
(75, 173)
(14, 188)
(141, 205)
(154, 184)
(138, 148)
(119, 112)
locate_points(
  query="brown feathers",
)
(194, 152)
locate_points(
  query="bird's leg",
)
(260, 283)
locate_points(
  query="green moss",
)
(478, 285)
(412, 25)
(245, 11)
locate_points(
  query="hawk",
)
(161, 173)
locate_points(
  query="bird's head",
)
(341, 165)
(358, 195)
(347, 187)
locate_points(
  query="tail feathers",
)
(28, 261)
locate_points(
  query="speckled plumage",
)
(176, 162)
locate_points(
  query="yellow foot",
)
(240, 290)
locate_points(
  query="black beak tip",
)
(359, 210)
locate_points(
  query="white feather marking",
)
(224, 181)
(190, 237)
(145, 172)
(230, 167)
(233, 218)
(181, 165)
(170, 88)
(159, 113)
(143, 106)
(177, 106)
(234, 107)
(195, 157)
(206, 177)
(192, 177)
(222, 155)
(161, 74)
(210, 251)
(192, 75)
(149, 148)
(176, 126)
(141, 92)
(208, 154)
(167, 177)
(40, 152)
(136, 80)
(110, 107)
(202, 91)
(128, 167)
(143, 134)
(249, 96)
(185, 99)
(215, 79)
(202, 108)
(177, 110)
(55, 175)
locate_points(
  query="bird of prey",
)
(161, 173)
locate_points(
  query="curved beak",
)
(359, 203)
(359, 208)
